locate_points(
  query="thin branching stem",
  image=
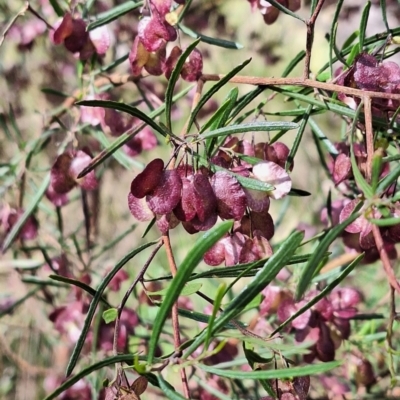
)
(175, 317)
(310, 38)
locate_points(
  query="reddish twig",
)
(385, 258)
(299, 81)
(369, 135)
(175, 318)
(310, 38)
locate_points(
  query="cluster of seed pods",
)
(197, 197)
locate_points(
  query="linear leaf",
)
(172, 82)
(57, 8)
(388, 180)
(114, 13)
(284, 373)
(214, 89)
(210, 40)
(298, 192)
(235, 270)
(81, 285)
(320, 295)
(320, 253)
(363, 24)
(250, 127)
(248, 183)
(358, 177)
(196, 316)
(184, 271)
(385, 221)
(298, 138)
(115, 105)
(106, 153)
(168, 389)
(95, 301)
(285, 10)
(263, 277)
(320, 135)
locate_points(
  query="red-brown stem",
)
(175, 319)
(369, 134)
(196, 99)
(12, 22)
(299, 81)
(385, 258)
(375, 229)
(310, 38)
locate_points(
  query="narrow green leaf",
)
(332, 36)
(54, 92)
(210, 40)
(95, 301)
(285, 10)
(355, 51)
(320, 295)
(172, 82)
(388, 180)
(19, 263)
(235, 270)
(80, 284)
(376, 169)
(112, 65)
(218, 120)
(123, 139)
(368, 41)
(110, 315)
(57, 8)
(168, 389)
(114, 13)
(246, 100)
(214, 89)
(248, 183)
(298, 138)
(199, 317)
(293, 63)
(384, 16)
(363, 24)
(122, 158)
(284, 373)
(298, 192)
(320, 253)
(385, 222)
(190, 262)
(105, 362)
(350, 40)
(221, 291)
(40, 281)
(115, 105)
(214, 121)
(263, 277)
(360, 180)
(260, 126)
(27, 213)
(321, 137)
